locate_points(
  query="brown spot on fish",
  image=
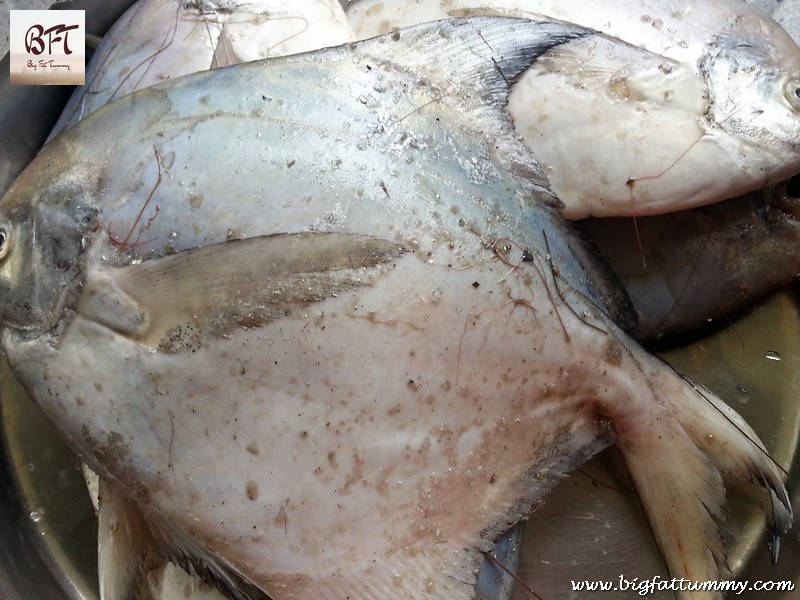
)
(252, 490)
(195, 200)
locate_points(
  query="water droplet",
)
(742, 395)
(36, 516)
(772, 355)
(31, 467)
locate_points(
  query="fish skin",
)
(520, 346)
(690, 270)
(156, 40)
(701, 83)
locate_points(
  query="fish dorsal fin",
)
(185, 299)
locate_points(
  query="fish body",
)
(156, 40)
(683, 104)
(362, 347)
(689, 270)
(177, 39)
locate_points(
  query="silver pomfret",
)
(370, 347)
(692, 269)
(156, 40)
(690, 103)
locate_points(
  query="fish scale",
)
(377, 439)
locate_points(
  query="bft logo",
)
(58, 34)
(47, 47)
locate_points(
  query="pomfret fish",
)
(687, 270)
(343, 362)
(212, 36)
(157, 40)
(700, 105)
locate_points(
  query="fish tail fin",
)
(676, 461)
(736, 450)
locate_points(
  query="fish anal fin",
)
(185, 551)
(185, 299)
(134, 549)
(447, 573)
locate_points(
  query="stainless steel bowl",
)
(48, 533)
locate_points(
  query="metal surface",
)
(48, 533)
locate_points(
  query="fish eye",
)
(5, 242)
(791, 92)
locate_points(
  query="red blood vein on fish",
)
(124, 244)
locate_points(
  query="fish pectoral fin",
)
(123, 545)
(224, 53)
(186, 299)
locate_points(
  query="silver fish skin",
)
(345, 360)
(623, 125)
(156, 40)
(689, 270)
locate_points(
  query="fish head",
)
(44, 222)
(754, 96)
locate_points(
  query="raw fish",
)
(691, 269)
(363, 346)
(156, 40)
(700, 107)
(179, 38)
